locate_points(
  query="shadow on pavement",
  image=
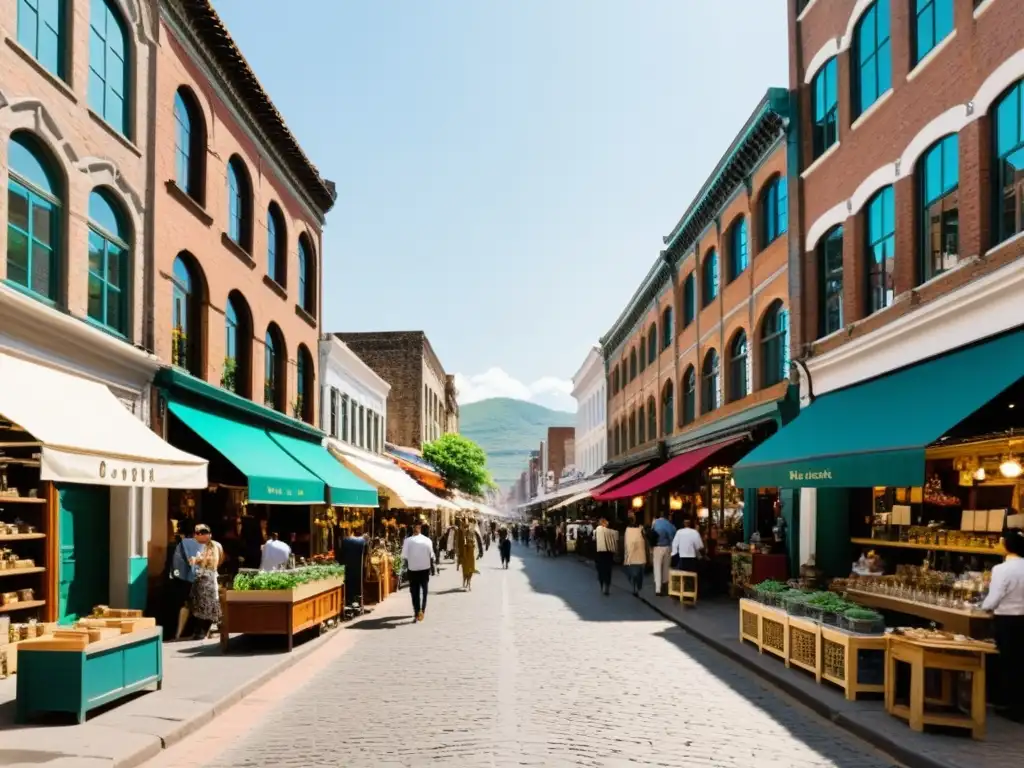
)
(383, 622)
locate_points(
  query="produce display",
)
(249, 580)
(825, 607)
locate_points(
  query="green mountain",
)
(508, 430)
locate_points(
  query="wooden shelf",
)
(19, 571)
(991, 551)
(22, 536)
(21, 500)
(22, 606)
(22, 444)
(21, 462)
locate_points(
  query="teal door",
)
(84, 531)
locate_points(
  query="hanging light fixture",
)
(1010, 467)
(675, 502)
(638, 502)
(979, 474)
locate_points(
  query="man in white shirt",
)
(686, 546)
(275, 554)
(418, 554)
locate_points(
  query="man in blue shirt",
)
(663, 532)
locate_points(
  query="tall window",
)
(667, 409)
(334, 412)
(939, 181)
(710, 277)
(277, 245)
(739, 256)
(652, 419)
(830, 261)
(274, 385)
(344, 418)
(109, 255)
(689, 387)
(689, 300)
(33, 218)
(632, 364)
(616, 448)
(825, 108)
(189, 145)
(186, 319)
(710, 397)
(652, 343)
(632, 430)
(934, 22)
(362, 426)
(1008, 148)
(307, 277)
(643, 354)
(872, 57)
(239, 204)
(304, 385)
(738, 388)
(774, 211)
(881, 234)
(108, 65)
(615, 380)
(230, 346)
(775, 345)
(666, 328)
(41, 32)
(236, 374)
(641, 424)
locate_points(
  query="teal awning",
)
(347, 489)
(876, 433)
(274, 476)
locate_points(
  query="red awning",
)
(667, 471)
(618, 480)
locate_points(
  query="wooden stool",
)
(688, 587)
(675, 583)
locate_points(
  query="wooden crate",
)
(774, 632)
(803, 646)
(675, 583)
(750, 622)
(841, 660)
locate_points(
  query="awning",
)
(274, 476)
(86, 435)
(875, 433)
(346, 490)
(619, 479)
(572, 500)
(671, 469)
(416, 466)
(403, 491)
(576, 491)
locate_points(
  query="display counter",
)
(961, 621)
(280, 611)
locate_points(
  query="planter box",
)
(280, 612)
(301, 592)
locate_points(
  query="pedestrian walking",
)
(205, 597)
(470, 546)
(182, 575)
(504, 547)
(635, 554)
(662, 534)
(1006, 601)
(275, 554)
(418, 556)
(606, 542)
(686, 547)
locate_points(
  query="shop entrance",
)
(84, 545)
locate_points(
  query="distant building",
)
(353, 397)
(557, 454)
(589, 389)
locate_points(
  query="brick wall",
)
(558, 455)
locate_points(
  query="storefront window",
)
(938, 183)
(738, 367)
(1008, 145)
(881, 231)
(710, 397)
(830, 260)
(774, 345)
(689, 410)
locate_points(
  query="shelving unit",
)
(993, 551)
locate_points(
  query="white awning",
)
(85, 433)
(576, 491)
(403, 491)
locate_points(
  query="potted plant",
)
(795, 602)
(863, 621)
(769, 590)
(826, 607)
(396, 570)
(227, 373)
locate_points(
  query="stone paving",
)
(532, 668)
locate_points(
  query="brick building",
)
(422, 404)
(558, 453)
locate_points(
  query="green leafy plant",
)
(862, 614)
(278, 580)
(297, 407)
(227, 374)
(396, 564)
(771, 586)
(461, 462)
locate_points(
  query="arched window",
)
(641, 425)
(938, 184)
(739, 256)
(307, 276)
(871, 57)
(689, 387)
(189, 145)
(632, 429)
(304, 386)
(652, 343)
(643, 353)
(881, 237)
(187, 316)
(110, 285)
(774, 211)
(774, 345)
(239, 204)
(667, 409)
(738, 388)
(236, 375)
(652, 419)
(710, 398)
(830, 267)
(824, 108)
(933, 23)
(42, 31)
(709, 282)
(277, 245)
(613, 438)
(632, 364)
(274, 385)
(33, 217)
(666, 328)
(1008, 162)
(109, 75)
(689, 300)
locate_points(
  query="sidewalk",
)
(199, 684)
(716, 622)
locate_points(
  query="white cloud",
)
(548, 391)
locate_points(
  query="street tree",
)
(461, 462)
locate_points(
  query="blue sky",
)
(506, 168)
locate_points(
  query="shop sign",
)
(114, 472)
(284, 493)
(796, 475)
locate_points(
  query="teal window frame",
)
(739, 248)
(872, 57)
(189, 146)
(880, 230)
(738, 356)
(185, 316)
(824, 108)
(111, 265)
(109, 66)
(652, 343)
(938, 190)
(689, 393)
(709, 277)
(42, 31)
(710, 375)
(689, 300)
(300, 383)
(231, 336)
(774, 211)
(32, 179)
(830, 268)
(271, 373)
(239, 202)
(1008, 162)
(775, 345)
(666, 328)
(933, 22)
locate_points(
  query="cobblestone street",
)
(533, 667)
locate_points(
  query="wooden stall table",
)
(280, 611)
(959, 621)
(949, 657)
(841, 660)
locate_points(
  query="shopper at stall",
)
(418, 556)
(634, 556)
(275, 554)
(605, 542)
(662, 534)
(686, 547)
(353, 554)
(205, 600)
(504, 547)
(1006, 601)
(182, 576)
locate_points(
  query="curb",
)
(866, 734)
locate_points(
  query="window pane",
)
(95, 299)
(17, 256)
(17, 206)
(28, 20)
(96, 254)
(883, 62)
(42, 222)
(115, 315)
(925, 26)
(115, 257)
(1007, 121)
(41, 270)
(950, 162)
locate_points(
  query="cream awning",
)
(86, 434)
(404, 492)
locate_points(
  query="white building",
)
(354, 399)
(588, 388)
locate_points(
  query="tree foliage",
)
(461, 462)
